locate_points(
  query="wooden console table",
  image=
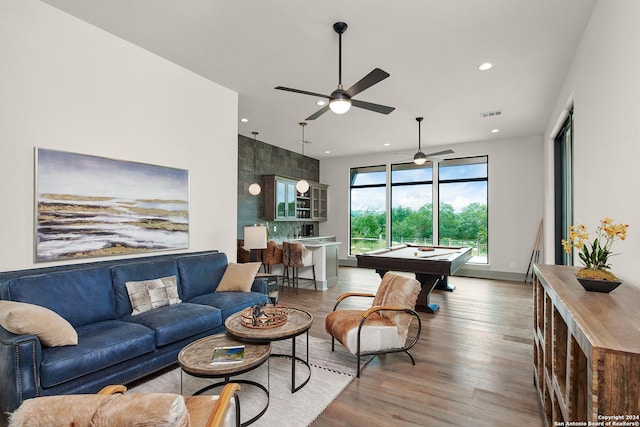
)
(586, 350)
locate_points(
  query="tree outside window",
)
(463, 195)
(368, 222)
(462, 206)
(412, 204)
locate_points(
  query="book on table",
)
(230, 354)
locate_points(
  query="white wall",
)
(604, 86)
(515, 199)
(69, 86)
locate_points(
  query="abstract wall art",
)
(90, 206)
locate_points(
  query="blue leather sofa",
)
(113, 346)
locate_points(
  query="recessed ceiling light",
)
(495, 130)
(327, 152)
(244, 120)
(386, 144)
(485, 66)
(321, 102)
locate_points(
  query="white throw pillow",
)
(146, 295)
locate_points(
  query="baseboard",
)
(463, 272)
(490, 274)
(351, 262)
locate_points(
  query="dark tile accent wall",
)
(269, 160)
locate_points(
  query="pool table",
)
(432, 266)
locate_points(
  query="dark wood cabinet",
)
(284, 203)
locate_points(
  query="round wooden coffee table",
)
(298, 323)
(195, 360)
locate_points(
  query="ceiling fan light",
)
(420, 158)
(302, 186)
(339, 106)
(255, 189)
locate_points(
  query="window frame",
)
(352, 174)
(466, 160)
(435, 193)
(409, 166)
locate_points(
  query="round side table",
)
(195, 360)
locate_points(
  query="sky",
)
(71, 173)
(458, 195)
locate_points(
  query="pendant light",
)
(254, 189)
(420, 158)
(302, 186)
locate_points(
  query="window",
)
(412, 203)
(368, 222)
(462, 215)
(563, 182)
(405, 215)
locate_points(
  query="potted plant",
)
(596, 276)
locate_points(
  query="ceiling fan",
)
(420, 158)
(341, 100)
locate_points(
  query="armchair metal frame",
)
(365, 316)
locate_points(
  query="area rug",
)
(331, 372)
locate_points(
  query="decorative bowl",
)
(269, 316)
(604, 286)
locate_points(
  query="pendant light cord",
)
(303, 124)
(255, 142)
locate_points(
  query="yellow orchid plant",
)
(595, 255)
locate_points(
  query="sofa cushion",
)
(149, 294)
(174, 323)
(100, 345)
(238, 277)
(231, 302)
(137, 271)
(81, 296)
(22, 318)
(200, 274)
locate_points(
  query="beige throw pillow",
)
(22, 318)
(238, 277)
(146, 295)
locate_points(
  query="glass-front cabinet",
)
(318, 202)
(283, 203)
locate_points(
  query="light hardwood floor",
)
(474, 360)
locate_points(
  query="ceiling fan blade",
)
(367, 81)
(318, 113)
(304, 92)
(439, 153)
(429, 156)
(373, 107)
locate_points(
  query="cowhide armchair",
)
(110, 407)
(384, 327)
